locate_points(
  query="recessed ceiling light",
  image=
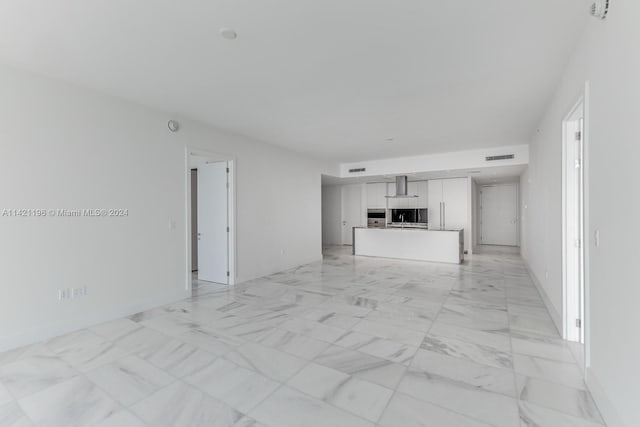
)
(228, 33)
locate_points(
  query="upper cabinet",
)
(376, 195)
(422, 201)
(434, 207)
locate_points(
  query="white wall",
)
(331, 215)
(66, 147)
(607, 57)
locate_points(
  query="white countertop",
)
(409, 229)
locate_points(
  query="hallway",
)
(346, 342)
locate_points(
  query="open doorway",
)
(210, 210)
(573, 224)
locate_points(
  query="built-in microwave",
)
(409, 216)
(376, 218)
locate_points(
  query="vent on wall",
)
(503, 157)
(357, 170)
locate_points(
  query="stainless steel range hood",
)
(401, 189)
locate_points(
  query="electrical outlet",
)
(64, 293)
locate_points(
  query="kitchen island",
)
(417, 244)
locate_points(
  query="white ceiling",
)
(330, 78)
(490, 175)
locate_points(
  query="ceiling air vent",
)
(355, 170)
(502, 157)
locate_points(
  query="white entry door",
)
(213, 235)
(499, 210)
(351, 211)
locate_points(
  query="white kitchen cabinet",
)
(371, 195)
(456, 203)
(448, 196)
(434, 205)
(412, 190)
(393, 203)
(422, 200)
(376, 193)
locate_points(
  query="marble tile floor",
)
(343, 342)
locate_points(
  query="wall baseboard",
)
(604, 404)
(556, 316)
(54, 329)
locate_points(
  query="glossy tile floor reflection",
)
(347, 342)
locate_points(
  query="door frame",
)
(576, 309)
(231, 210)
(362, 212)
(517, 202)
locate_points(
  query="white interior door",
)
(194, 220)
(499, 214)
(351, 211)
(213, 235)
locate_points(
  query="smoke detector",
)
(600, 8)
